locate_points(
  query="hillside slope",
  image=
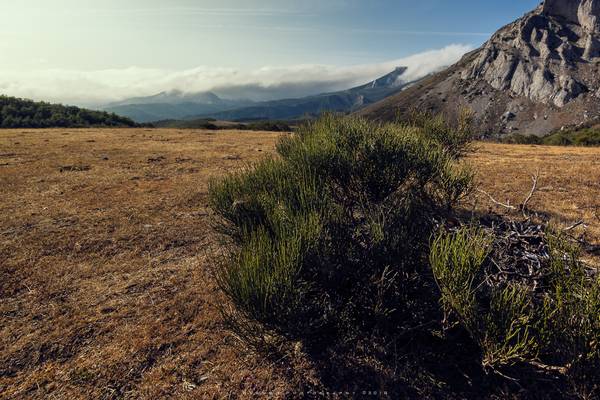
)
(535, 75)
(21, 113)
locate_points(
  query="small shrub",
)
(500, 328)
(570, 321)
(558, 139)
(456, 259)
(323, 233)
(507, 327)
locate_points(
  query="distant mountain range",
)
(183, 106)
(173, 105)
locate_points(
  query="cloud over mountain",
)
(103, 86)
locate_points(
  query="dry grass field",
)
(568, 189)
(106, 249)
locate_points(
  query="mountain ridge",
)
(171, 97)
(348, 100)
(179, 105)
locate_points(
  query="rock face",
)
(568, 9)
(546, 63)
(534, 56)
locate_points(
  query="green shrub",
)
(456, 137)
(557, 324)
(456, 260)
(518, 138)
(325, 235)
(336, 239)
(570, 321)
(501, 328)
(271, 126)
(558, 139)
(507, 335)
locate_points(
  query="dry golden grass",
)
(106, 248)
(568, 182)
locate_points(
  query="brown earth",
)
(106, 249)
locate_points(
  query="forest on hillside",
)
(22, 113)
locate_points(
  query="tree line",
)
(22, 113)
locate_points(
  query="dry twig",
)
(575, 225)
(508, 206)
(534, 179)
(523, 206)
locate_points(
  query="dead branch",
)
(522, 207)
(497, 202)
(549, 368)
(575, 225)
(534, 179)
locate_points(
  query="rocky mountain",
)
(535, 75)
(343, 101)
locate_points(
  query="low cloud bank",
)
(105, 86)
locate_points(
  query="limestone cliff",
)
(536, 74)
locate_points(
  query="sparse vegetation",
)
(20, 113)
(202, 123)
(212, 124)
(270, 126)
(589, 136)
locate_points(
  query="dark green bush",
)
(584, 137)
(558, 139)
(272, 126)
(212, 124)
(500, 326)
(326, 235)
(518, 138)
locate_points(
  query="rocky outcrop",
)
(547, 61)
(567, 9)
(535, 56)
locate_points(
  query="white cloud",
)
(103, 86)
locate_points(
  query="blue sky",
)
(242, 35)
